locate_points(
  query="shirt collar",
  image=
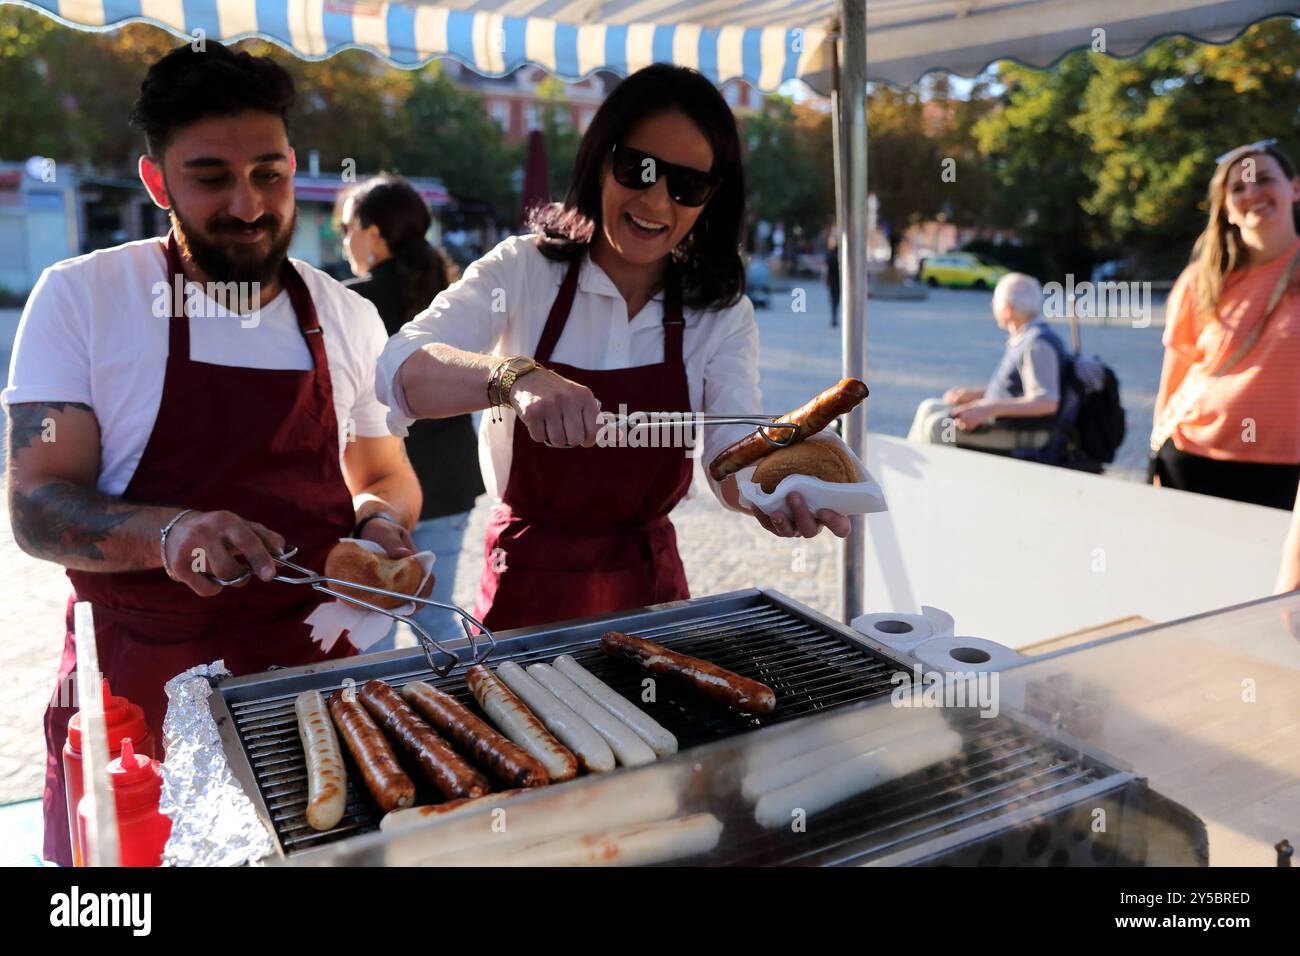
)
(592, 278)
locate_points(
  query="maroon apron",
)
(584, 531)
(262, 443)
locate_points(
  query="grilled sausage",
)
(384, 778)
(519, 723)
(629, 749)
(578, 735)
(441, 765)
(504, 761)
(811, 418)
(663, 743)
(709, 679)
(327, 781)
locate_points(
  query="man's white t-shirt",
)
(91, 333)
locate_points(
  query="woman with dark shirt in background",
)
(383, 222)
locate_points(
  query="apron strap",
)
(674, 324)
(559, 313)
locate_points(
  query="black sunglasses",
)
(634, 169)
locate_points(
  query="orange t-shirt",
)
(1253, 412)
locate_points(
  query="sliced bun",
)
(349, 561)
(817, 459)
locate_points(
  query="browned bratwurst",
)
(384, 777)
(441, 765)
(811, 418)
(503, 760)
(709, 679)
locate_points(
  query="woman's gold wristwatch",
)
(505, 375)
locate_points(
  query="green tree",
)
(1041, 159)
(1157, 122)
(904, 162)
(449, 134)
(787, 166)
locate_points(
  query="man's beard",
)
(234, 261)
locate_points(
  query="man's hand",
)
(972, 415)
(391, 536)
(555, 410)
(212, 543)
(961, 396)
(806, 524)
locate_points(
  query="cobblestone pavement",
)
(915, 350)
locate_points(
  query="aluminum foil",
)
(213, 821)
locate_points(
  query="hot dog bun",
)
(349, 561)
(817, 459)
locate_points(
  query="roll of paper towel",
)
(966, 654)
(903, 632)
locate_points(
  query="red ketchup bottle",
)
(123, 719)
(142, 830)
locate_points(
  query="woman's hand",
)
(555, 410)
(806, 524)
(960, 396)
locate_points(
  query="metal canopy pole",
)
(849, 124)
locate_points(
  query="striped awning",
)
(765, 42)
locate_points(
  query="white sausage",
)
(663, 743)
(576, 734)
(630, 749)
(774, 776)
(327, 781)
(519, 723)
(841, 781)
(639, 844)
(408, 817)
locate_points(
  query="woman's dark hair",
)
(403, 218)
(708, 259)
(188, 85)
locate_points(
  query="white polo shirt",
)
(90, 334)
(500, 306)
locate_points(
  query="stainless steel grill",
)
(1010, 777)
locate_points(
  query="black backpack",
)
(1099, 423)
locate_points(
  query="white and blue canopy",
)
(765, 42)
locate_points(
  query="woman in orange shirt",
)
(1227, 417)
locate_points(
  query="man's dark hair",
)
(188, 85)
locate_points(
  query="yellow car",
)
(961, 269)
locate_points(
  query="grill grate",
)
(809, 665)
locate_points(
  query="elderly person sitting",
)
(1026, 384)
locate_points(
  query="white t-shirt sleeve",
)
(51, 357)
(471, 314)
(368, 412)
(731, 381)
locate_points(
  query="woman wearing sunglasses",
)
(1227, 417)
(628, 296)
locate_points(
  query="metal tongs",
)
(762, 423)
(321, 583)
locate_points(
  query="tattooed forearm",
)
(30, 422)
(85, 529)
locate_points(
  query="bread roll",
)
(349, 561)
(817, 459)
